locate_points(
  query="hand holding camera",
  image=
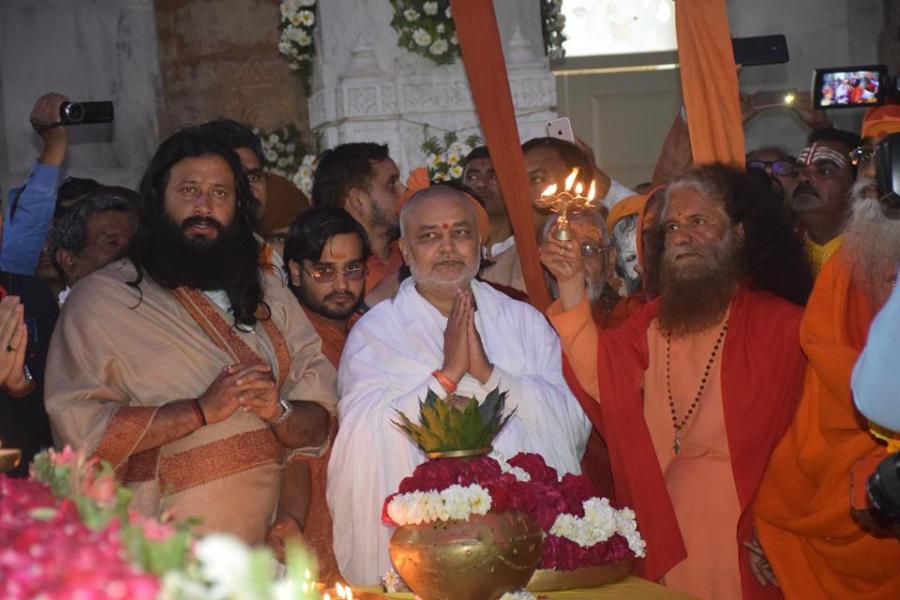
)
(46, 122)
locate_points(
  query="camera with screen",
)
(852, 87)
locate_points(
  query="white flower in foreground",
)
(455, 171)
(439, 47)
(410, 14)
(520, 595)
(441, 28)
(421, 37)
(479, 499)
(448, 13)
(454, 40)
(307, 17)
(430, 8)
(224, 562)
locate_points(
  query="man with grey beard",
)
(447, 332)
(695, 390)
(816, 544)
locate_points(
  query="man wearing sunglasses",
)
(326, 252)
(822, 195)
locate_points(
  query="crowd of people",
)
(238, 352)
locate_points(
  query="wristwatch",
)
(287, 409)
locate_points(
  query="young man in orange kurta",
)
(696, 389)
(803, 513)
(325, 254)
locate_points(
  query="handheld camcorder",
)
(85, 113)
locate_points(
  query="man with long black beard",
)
(190, 372)
(695, 389)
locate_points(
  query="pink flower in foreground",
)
(66, 457)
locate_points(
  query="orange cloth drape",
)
(802, 512)
(479, 42)
(709, 82)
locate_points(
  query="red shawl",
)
(762, 376)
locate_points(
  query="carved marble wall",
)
(368, 89)
(220, 58)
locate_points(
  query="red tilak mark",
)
(444, 226)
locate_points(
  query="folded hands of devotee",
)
(13, 343)
(564, 261)
(463, 349)
(248, 387)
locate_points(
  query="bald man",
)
(444, 331)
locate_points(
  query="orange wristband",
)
(445, 381)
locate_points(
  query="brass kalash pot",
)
(479, 559)
(484, 556)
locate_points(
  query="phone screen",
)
(849, 87)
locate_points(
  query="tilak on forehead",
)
(816, 152)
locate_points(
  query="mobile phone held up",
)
(561, 129)
(85, 113)
(850, 87)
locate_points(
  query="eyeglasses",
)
(783, 168)
(862, 154)
(592, 249)
(323, 274)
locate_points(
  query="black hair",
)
(312, 229)
(71, 190)
(476, 153)
(571, 155)
(343, 168)
(244, 288)
(235, 135)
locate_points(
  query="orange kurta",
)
(318, 532)
(379, 269)
(802, 511)
(699, 479)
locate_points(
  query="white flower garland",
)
(444, 157)
(599, 523)
(287, 155)
(426, 29)
(297, 24)
(454, 503)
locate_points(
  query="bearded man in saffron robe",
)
(695, 389)
(814, 542)
(195, 375)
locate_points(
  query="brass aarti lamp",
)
(570, 201)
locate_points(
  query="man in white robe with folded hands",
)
(447, 332)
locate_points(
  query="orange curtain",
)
(479, 41)
(709, 82)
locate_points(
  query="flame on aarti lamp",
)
(592, 191)
(570, 180)
(551, 189)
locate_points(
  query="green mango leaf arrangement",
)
(456, 423)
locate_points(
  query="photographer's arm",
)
(29, 209)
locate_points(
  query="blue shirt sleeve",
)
(876, 375)
(29, 212)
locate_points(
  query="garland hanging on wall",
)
(289, 156)
(297, 25)
(426, 29)
(553, 22)
(444, 156)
